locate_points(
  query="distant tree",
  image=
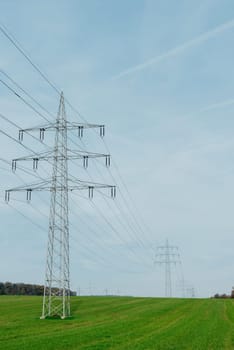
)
(8, 288)
(222, 296)
(2, 288)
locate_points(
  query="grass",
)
(100, 323)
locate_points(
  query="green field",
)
(119, 323)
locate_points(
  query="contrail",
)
(218, 105)
(178, 49)
(221, 104)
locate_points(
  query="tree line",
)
(8, 288)
(224, 296)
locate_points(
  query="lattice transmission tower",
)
(56, 300)
(167, 255)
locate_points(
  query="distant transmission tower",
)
(56, 300)
(167, 255)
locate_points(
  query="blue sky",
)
(159, 75)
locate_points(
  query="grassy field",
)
(119, 323)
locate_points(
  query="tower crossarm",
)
(66, 125)
(73, 185)
(172, 247)
(39, 186)
(71, 155)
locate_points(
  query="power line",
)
(45, 77)
(52, 85)
(102, 229)
(36, 154)
(129, 225)
(135, 254)
(25, 92)
(131, 250)
(35, 175)
(21, 98)
(22, 51)
(7, 119)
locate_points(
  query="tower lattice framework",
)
(56, 299)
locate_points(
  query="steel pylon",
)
(167, 255)
(56, 299)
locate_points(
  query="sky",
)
(159, 74)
